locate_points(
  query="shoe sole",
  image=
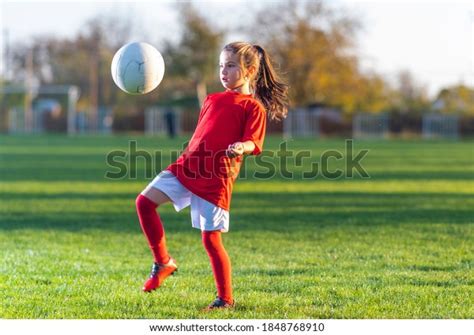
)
(208, 309)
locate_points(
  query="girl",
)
(231, 124)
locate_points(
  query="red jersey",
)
(203, 167)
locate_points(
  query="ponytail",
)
(269, 88)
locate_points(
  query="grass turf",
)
(396, 245)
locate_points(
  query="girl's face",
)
(231, 74)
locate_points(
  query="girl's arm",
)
(240, 148)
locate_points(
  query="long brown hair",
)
(267, 86)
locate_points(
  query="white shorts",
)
(204, 215)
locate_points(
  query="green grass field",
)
(397, 245)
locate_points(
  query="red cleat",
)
(159, 272)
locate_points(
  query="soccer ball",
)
(137, 68)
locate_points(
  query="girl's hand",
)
(235, 149)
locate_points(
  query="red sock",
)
(220, 263)
(152, 228)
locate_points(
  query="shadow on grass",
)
(130, 197)
(250, 211)
(87, 166)
(250, 199)
(74, 172)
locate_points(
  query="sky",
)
(434, 39)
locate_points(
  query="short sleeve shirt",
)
(203, 167)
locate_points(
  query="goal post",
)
(30, 123)
(301, 122)
(436, 125)
(365, 125)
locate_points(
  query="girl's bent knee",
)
(142, 203)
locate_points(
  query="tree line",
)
(313, 44)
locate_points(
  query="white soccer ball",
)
(137, 68)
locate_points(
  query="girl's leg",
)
(220, 263)
(164, 265)
(151, 224)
